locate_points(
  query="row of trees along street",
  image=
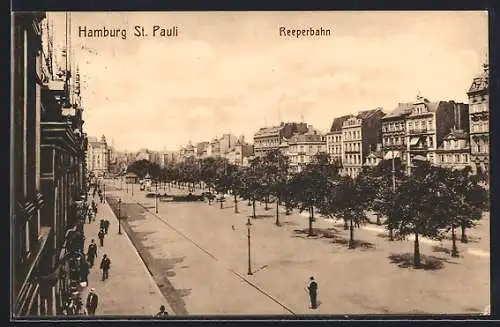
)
(431, 202)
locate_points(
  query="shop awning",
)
(392, 154)
(414, 140)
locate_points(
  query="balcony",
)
(423, 130)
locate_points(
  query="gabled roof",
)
(337, 123)
(403, 108)
(365, 114)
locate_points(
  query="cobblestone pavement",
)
(130, 289)
(199, 253)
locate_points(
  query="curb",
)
(144, 265)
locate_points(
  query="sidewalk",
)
(130, 289)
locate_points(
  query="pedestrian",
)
(313, 292)
(101, 224)
(105, 265)
(84, 271)
(94, 206)
(93, 194)
(162, 312)
(92, 253)
(101, 237)
(92, 300)
(89, 215)
(106, 226)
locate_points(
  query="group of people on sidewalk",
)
(86, 262)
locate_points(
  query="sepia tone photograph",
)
(277, 164)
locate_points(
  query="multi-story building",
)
(213, 148)
(479, 122)
(240, 151)
(142, 154)
(270, 138)
(360, 134)
(303, 147)
(454, 153)
(428, 124)
(394, 132)
(48, 169)
(97, 155)
(201, 149)
(226, 143)
(334, 139)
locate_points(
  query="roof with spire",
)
(480, 82)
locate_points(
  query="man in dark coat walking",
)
(101, 236)
(105, 265)
(92, 300)
(106, 226)
(313, 292)
(92, 253)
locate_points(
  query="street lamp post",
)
(156, 197)
(133, 188)
(249, 258)
(104, 192)
(119, 216)
(126, 183)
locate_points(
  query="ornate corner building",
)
(479, 122)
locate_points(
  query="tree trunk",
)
(209, 196)
(253, 206)
(416, 252)
(351, 234)
(266, 200)
(310, 233)
(378, 219)
(454, 250)
(346, 226)
(463, 238)
(287, 210)
(235, 203)
(221, 200)
(278, 212)
(249, 202)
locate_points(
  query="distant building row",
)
(445, 133)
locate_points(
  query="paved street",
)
(130, 289)
(200, 263)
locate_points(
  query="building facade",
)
(303, 147)
(97, 155)
(334, 139)
(48, 175)
(479, 122)
(270, 138)
(428, 124)
(394, 132)
(454, 152)
(360, 135)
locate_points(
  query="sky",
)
(232, 72)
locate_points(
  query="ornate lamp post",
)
(119, 216)
(249, 258)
